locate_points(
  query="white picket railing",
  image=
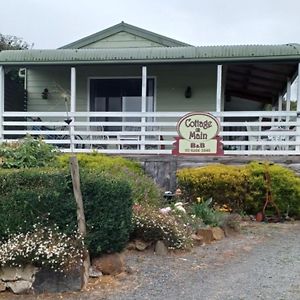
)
(243, 133)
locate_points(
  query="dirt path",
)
(262, 263)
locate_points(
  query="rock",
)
(140, 245)
(218, 233)
(56, 282)
(231, 225)
(19, 286)
(19, 280)
(109, 264)
(94, 273)
(2, 286)
(131, 246)
(206, 233)
(197, 239)
(160, 248)
(15, 273)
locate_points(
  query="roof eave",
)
(276, 59)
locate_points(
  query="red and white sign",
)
(198, 135)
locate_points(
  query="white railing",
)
(243, 133)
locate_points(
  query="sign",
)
(198, 135)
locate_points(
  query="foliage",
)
(31, 195)
(224, 184)
(10, 42)
(242, 188)
(42, 247)
(203, 210)
(46, 195)
(285, 188)
(144, 190)
(26, 153)
(150, 225)
(108, 209)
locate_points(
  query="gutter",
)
(295, 58)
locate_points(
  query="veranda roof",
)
(214, 54)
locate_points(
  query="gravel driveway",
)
(262, 263)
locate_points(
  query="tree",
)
(11, 42)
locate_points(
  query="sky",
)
(49, 24)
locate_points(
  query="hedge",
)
(28, 196)
(144, 189)
(242, 188)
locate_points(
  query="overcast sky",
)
(54, 23)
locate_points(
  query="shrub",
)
(242, 188)
(35, 195)
(150, 226)
(224, 184)
(27, 153)
(108, 209)
(144, 190)
(46, 195)
(42, 247)
(285, 188)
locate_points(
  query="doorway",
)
(119, 95)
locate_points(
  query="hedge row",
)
(30, 196)
(144, 190)
(243, 188)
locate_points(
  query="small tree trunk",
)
(74, 167)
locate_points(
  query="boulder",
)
(109, 264)
(161, 248)
(15, 273)
(206, 234)
(131, 246)
(56, 282)
(218, 233)
(94, 273)
(140, 245)
(19, 286)
(18, 279)
(197, 239)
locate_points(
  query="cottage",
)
(123, 89)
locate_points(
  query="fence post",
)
(298, 114)
(2, 74)
(144, 105)
(72, 107)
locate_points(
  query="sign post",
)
(198, 135)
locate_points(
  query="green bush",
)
(144, 190)
(108, 209)
(28, 196)
(27, 153)
(242, 188)
(224, 184)
(150, 225)
(285, 188)
(35, 195)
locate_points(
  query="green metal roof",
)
(160, 39)
(217, 54)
